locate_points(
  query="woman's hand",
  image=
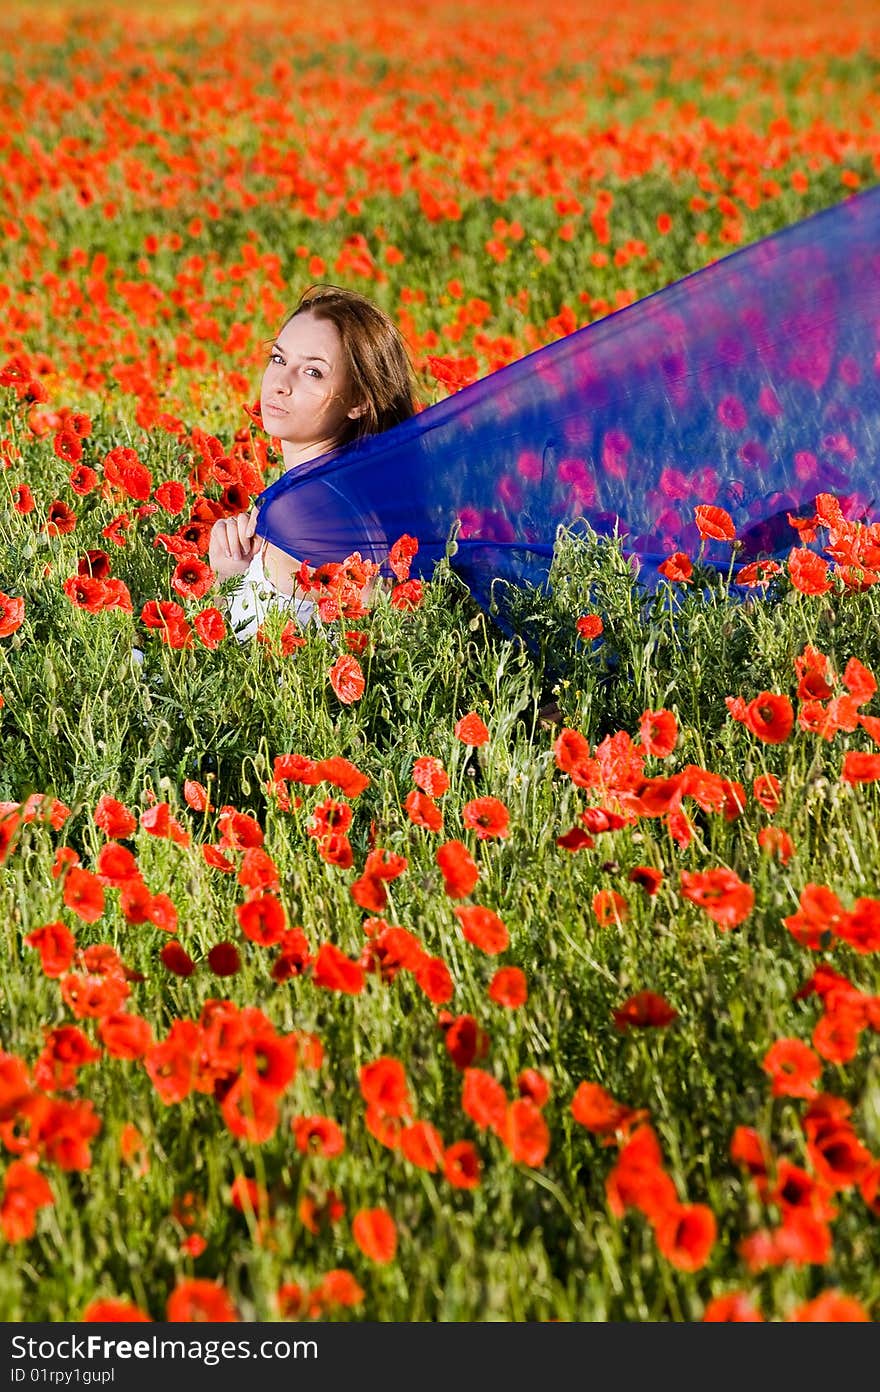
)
(232, 544)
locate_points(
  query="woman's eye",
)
(317, 372)
(276, 358)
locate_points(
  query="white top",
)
(255, 595)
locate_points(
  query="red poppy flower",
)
(335, 1289)
(375, 1233)
(83, 480)
(24, 1193)
(598, 1111)
(422, 1145)
(461, 1165)
(831, 1307)
(484, 1100)
(509, 988)
(115, 530)
(713, 523)
(757, 573)
(735, 1307)
(343, 774)
(792, 1067)
(776, 842)
(56, 946)
(575, 840)
(466, 1042)
(859, 680)
(820, 913)
(238, 829)
(459, 869)
(836, 1154)
(318, 1135)
(721, 892)
(407, 596)
(423, 811)
(113, 817)
(294, 955)
(647, 877)
(94, 563)
(483, 928)
(532, 1084)
(199, 1301)
(356, 641)
(250, 1111)
(385, 1128)
(638, 1179)
(859, 767)
(125, 1036)
(67, 447)
(123, 470)
(257, 870)
(172, 496)
(60, 519)
(383, 1085)
(487, 817)
(213, 856)
(384, 864)
(401, 554)
(770, 717)
(337, 972)
(430, 775)
(369, 893)
(164, 615)
(192, 578)
(262, 919)
(644, 1010)
(196, 796)
(11, 614)
(766, 790)
(23, 499)
(610, 907)
(677, 568)
(177, 959)
(589, 626)
(471, 730)
(347, 679)
(526, 1133)
(572, 754)
(435, 979)
(83, 894)
(658, 732)
(224, 959)
(808, 572)
(107, 1310)
(686, 1235)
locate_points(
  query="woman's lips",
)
(271, 409)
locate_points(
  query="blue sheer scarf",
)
(753, 384)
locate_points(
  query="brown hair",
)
(379, 368)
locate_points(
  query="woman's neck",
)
(295, 455)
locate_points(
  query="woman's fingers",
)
(232, 540)
(244, 534)
(218, 544)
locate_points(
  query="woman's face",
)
(305, 397)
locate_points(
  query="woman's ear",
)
(357, 411)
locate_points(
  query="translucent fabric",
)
(753, 384)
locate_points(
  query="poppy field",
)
(393, 969)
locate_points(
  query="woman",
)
(337, 371)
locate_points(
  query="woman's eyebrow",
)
(308, 357)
